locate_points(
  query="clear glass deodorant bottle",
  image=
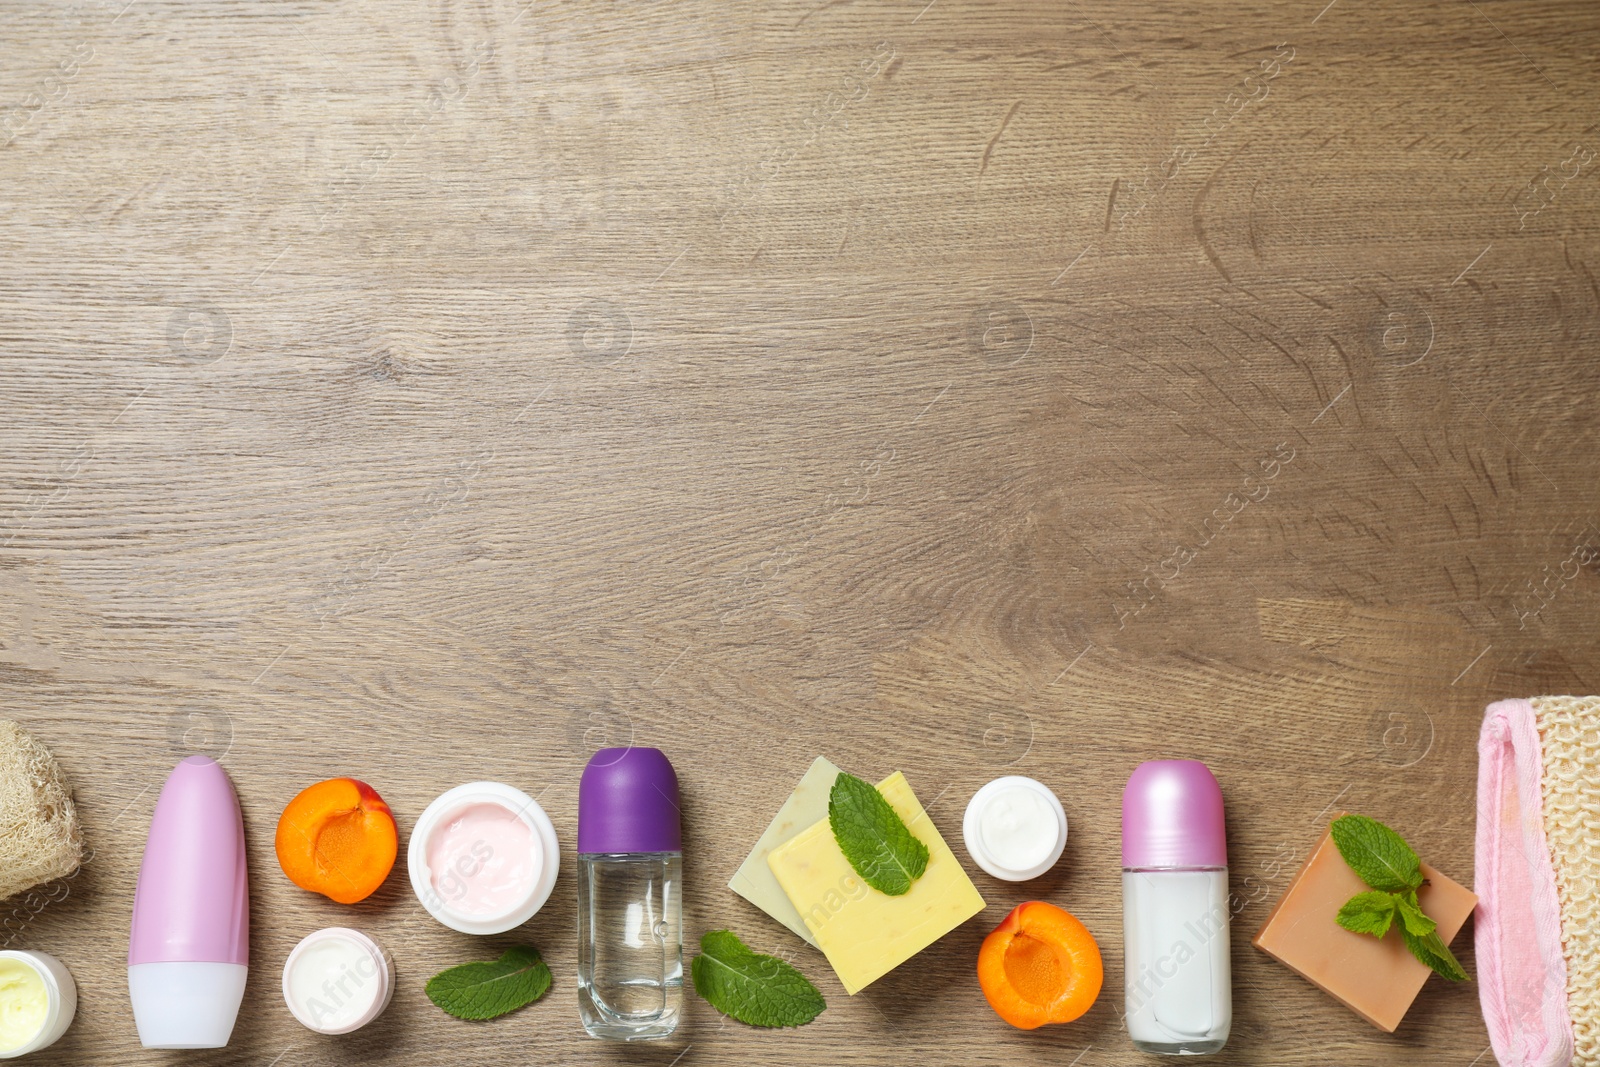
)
(1179, 989)
(630, 915)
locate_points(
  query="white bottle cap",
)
(186, 1005)
(62, 1002)
(1015, 828)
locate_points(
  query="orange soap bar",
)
(1376, 979)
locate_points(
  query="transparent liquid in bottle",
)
(630, 944)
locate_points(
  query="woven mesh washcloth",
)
(1569, 742)
(39, 835)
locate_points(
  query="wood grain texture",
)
(436, 391)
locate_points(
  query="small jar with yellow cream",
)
(38, 999)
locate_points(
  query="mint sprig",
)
(1436, 954)
(874, 838)
(1371, 912)
(1379, 855)
(753, 988)
(488, 990)
(1411, 918)
(1382, 859)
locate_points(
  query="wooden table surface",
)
(428, 392)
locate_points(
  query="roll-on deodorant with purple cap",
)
(190, 943)
(630, 914)
(1175, 909)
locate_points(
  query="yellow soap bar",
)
(864, 933)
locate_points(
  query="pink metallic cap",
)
(192, 903)
(1172, 816)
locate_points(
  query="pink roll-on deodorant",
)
(1175, 909)
(190, 943)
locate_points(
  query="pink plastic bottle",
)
(190, 945)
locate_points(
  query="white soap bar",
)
(806, 806)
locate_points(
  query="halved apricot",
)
(1040, 965)
(338, 838)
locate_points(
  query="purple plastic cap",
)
(628, 802)
(192, 902)
(1172, 816)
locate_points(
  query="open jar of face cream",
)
(1015, 828)
(38, 999)
(483, 858)
(337, 980)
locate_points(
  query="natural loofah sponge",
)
(39, 835)
(1538, 874)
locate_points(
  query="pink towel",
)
(1522, 973)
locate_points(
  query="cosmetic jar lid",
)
(368, 979)
(1015, 828)
(1172, 816)
(61, 995)
(543, 857)
(628, 802)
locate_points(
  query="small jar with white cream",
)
(1015, 828)
(483, 858)
(38, 999)
(337, 980)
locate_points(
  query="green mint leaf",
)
(1435, 953)
(1376, 853)
(487, 990)
(755, 989)
(1416, 923)
(1368, 913)
(874, 838)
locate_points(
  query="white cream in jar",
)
(1015, 828)
(38, 1000)
(337, 980)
